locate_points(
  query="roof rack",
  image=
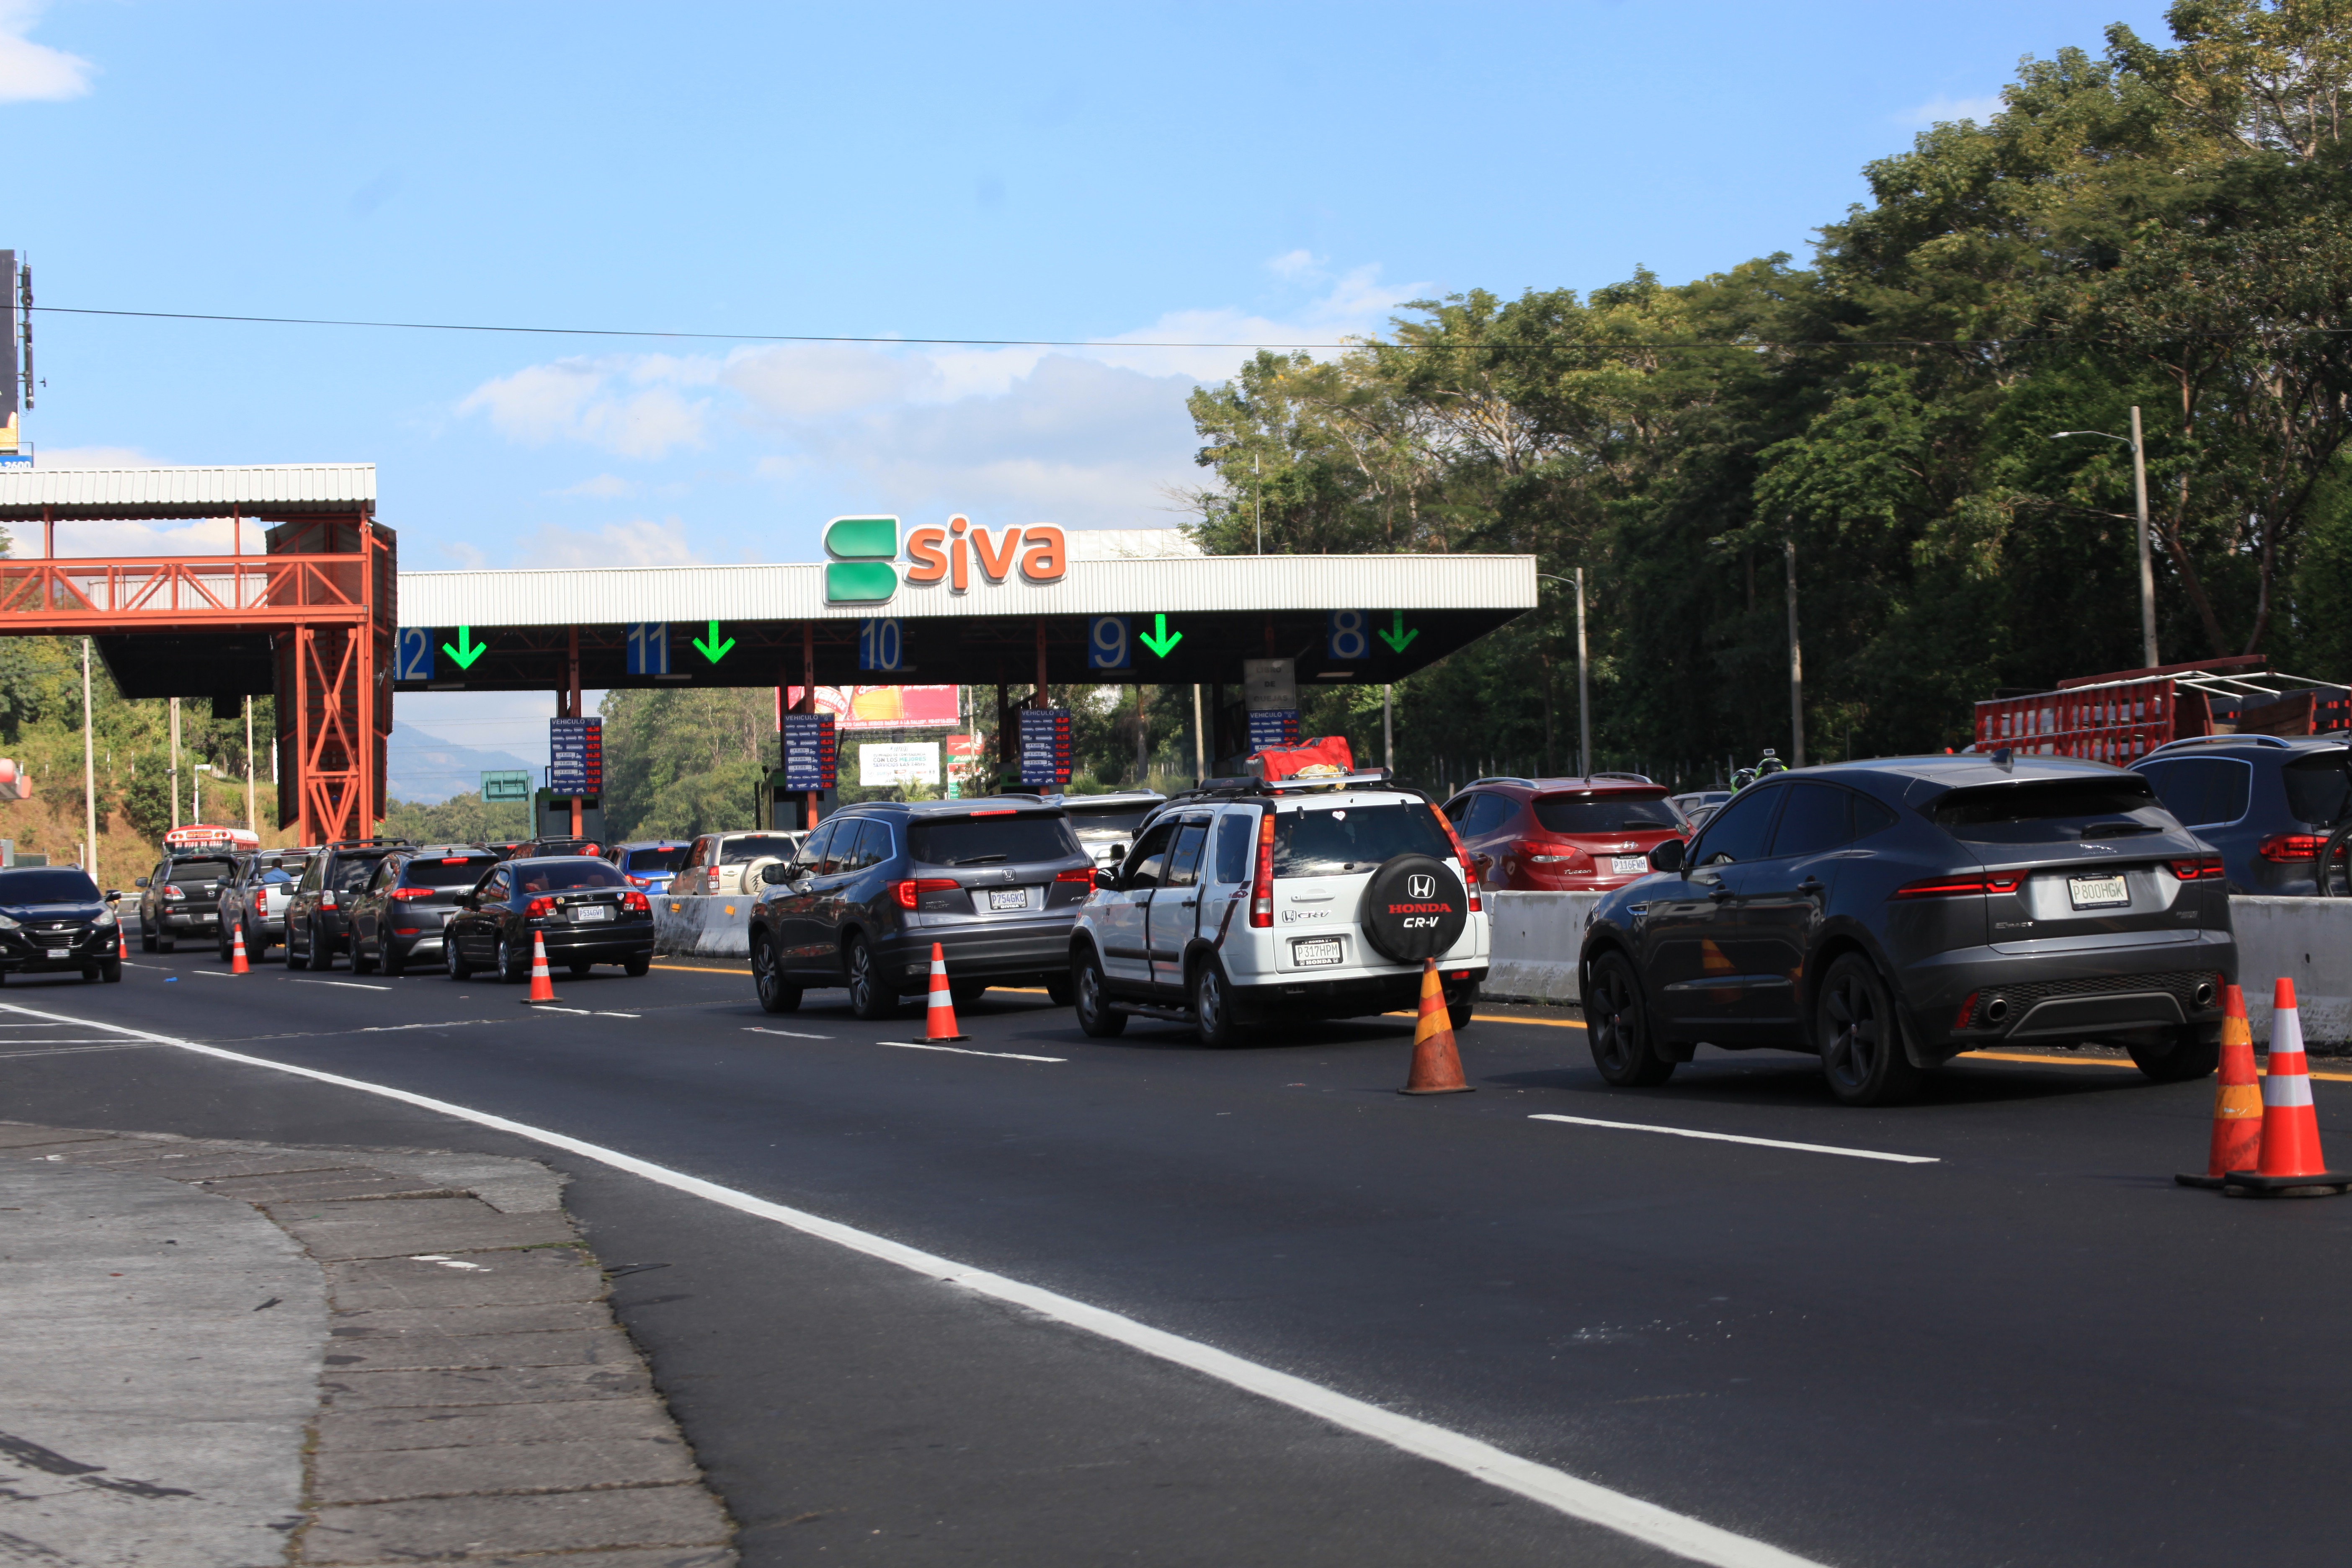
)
(366, 843)
(1634, 778)
(1500, 778)
(2222, 739)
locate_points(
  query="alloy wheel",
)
(1613, 1029)
(1857, 1032)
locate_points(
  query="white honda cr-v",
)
(1246, 902)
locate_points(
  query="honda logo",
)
(1421, 886)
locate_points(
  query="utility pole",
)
(1142, 744)
(2146, 568)
(1257, 498)
(175, 761)
(1796, 669)
(251, 820)
(88, 768)
(1388, 727)
(1200, 738)
(1583, 689)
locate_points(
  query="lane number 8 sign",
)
(1350, 638)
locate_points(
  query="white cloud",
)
(638, 542)
(1294, 264)
(603, 487)
(573, 399)
(808, 381)
(31, 72)
(1941, 108)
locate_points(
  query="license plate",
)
(61, 953)
(1629, 865)
(2097, 892)
(592, 911)
(1008, 899)
(1314, 954)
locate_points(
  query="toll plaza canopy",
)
(1110, 606)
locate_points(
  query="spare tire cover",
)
(1414, 908)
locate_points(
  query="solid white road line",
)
(788, 1034)
(959, 1050)
(1736, 1137)
(1582, 1500)
(216, 974)
(346, 984)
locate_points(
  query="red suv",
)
(1554, 836)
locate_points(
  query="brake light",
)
(996, 811)
(327, 900)
(1262, 878)
(260, 901)
(1461, 859)
(2191, 871)
(908, 892)
(173, 890)
(408, 930)
(641, 881)
(1569, 855)
(636, 903)
(454, 859)
(405, 894)
(712, 885)
(1961, 887)
(1086, 877)
(539, 909)
(2290, 846)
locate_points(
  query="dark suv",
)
(995, 882)
(2267, 803)
(1566, 834)
(1890, 915)
(399, 915)
(317, 921)
(180, 897)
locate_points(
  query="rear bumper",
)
(2082, 994)
(1033, 950)
(615, 943)
(1347, 998)
(177, 920)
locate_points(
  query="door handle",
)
(1812, 885)
(1720, 892)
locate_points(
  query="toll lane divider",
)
(1554, 1488)
(703, 925)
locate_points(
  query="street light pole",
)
(1796, 668)
(1583, 690)
(2139, 502)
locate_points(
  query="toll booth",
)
(553, 814)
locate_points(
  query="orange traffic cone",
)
(940, 1020)
(1436, 1065)
(2237, 1099)
(2291, 1162)
(542, 985)
(237, 964)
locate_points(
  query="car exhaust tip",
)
(1997, 1010)
(2203, 995)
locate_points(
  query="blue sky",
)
(1135, 173)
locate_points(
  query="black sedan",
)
(585, 910)
(52, 921)
(1890, 915)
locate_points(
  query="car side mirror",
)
(113, 894)
(1106, 878)
(140, 883)
(779, 872)
(1669, 856)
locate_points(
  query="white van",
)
(1247, 903)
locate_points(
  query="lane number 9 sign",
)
(1108, 643)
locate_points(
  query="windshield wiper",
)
(2116, 829)
(974, 860)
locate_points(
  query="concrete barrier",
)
(1537, 937)
(716, 925)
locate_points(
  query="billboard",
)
(878, 707)
(898, 762)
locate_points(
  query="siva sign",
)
(862, 556)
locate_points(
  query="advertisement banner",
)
(887, 762)
(878, 707)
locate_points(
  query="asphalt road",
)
(2034, 1349)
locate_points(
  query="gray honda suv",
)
(996, 882)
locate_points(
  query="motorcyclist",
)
(1770, 763)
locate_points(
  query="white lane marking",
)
(216, 974)
(1736, 1137)
(346, 984)
(601, 1014)
(959, 1050)
(551, 1007)
(788, 1034)
(395, 1028)
(1557, 1489)
(70, 1048)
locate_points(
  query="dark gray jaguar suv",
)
(1890, 915)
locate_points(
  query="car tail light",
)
(539, 909)
(1262, 876)
(327, 900)
(173, 890)
(2191, 871)
(641, 881)
(260, 901)
(1961, 887)
(1086, 877)
(636, 903)
(2290, 846)
(408, 930)
(1567, 855)
(1461, 859)
(712, 884)
(908, 892)
(454, 859)
(405, 894)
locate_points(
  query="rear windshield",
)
(1605, 813)
(202, 870)
(1124, 818)
(991, 840)
(451, 871)
(1354, 838)
(750, 848)
(555, 876)
(50, 885)
(2317, 789)
(2058, 811)
(353, 872)
(658, 860)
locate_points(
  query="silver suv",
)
(1245, 902)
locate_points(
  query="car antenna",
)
(2005, 760)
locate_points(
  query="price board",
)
(1273, 727)
(810, 751)
(1045, 750)
(575, 756)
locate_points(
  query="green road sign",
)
(714, 650)
(511, 784)
(467, 650)
(1399, 637)
(1159, 639)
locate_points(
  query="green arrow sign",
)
(714, 650)
(467, 650)
(1397, 638)
(1159, 639)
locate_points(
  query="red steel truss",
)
(325, 595)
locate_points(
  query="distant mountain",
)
(425, 769)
